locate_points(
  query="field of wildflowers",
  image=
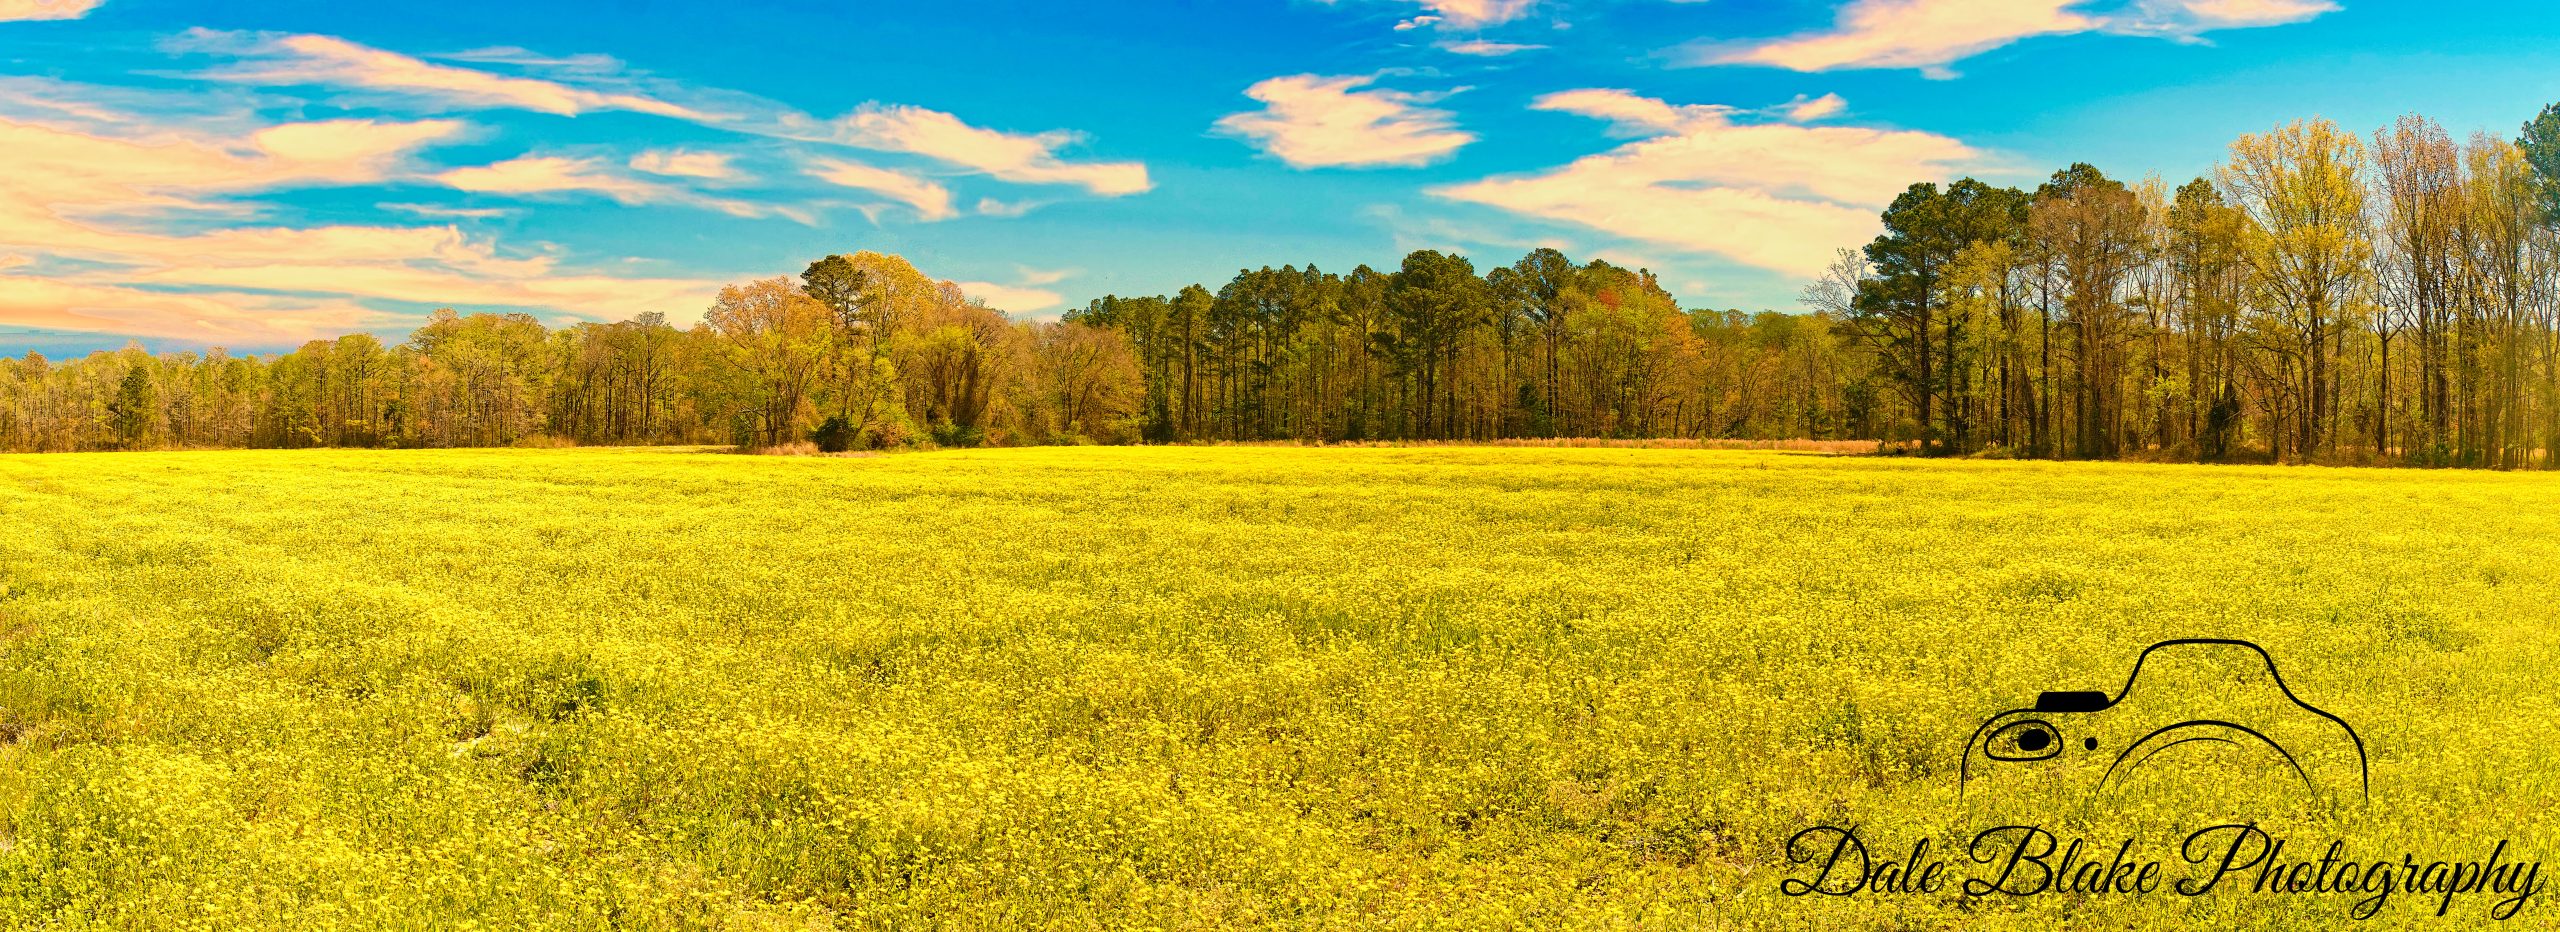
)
(1190, 688)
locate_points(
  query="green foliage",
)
(835, 435)
(130, 412)
(958, 435)
(1902, 311)
(2541, 144)
(841, 286)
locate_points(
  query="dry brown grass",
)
(804, 448)
(1824, 447)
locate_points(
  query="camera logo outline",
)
(2032, 735)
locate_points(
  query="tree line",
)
(862, 350)
(2324, 296)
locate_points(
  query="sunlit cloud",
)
(328, 61)
(1473, 13)
(216, 317)
(90, 206)
(1031, 276)
(548, 174)
(991, 207)
(680, 163)
(581, 84)
(1314, 121)
(1774, 195)
(535, 175)
(1486, 48)
(147, 210)
(1013, 299)
(1929, 35)
(1923, 34)
(931, 200)
(45, 9)
(2187, 18)
(1808, 109)
(1463, 14)
(1025, 158)
(55, 172)
(438, 212)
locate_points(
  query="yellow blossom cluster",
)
(1186, 688)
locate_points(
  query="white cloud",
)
(1486, 48)
(584, 84)
(551, 174)
(547, 174)
(1013, 299)
(216, 317)
(436, 212)
(1773, 195)
(45, 9)
(288, 60)
(1480, 12)
(1467, 14)
(1924, 34)
(91, 200)
(679, 163)
(1023, 158)
(1931, 34)
(931, 200)
(988, 206)
(1631, 115)
(1035, 277)
(1808, 109)
(2186, 18)
(1314, 121)
(55, 171)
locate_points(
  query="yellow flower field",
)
(1183, 688)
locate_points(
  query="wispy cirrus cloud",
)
(552, 174)
(441, 212)
(1032, 276)
(1487, 48)
(271, 60)
(577, 85)
(1722, 180)
(1930, 35)
(241, 318)
(1806, 109)
(25, 10)
(930, 199)
(991, 207)
(1923, 34)
(2186, 19)
(57, 171)
(1318, 121)
(1463, 14)
(134, 210)
(1025, 158)
(89, 202)
(680, 163)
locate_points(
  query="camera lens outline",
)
(2035, 736)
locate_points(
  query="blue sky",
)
(253, 175)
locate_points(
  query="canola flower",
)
(1181, 688)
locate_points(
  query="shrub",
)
(887, 433)
(834, 436)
